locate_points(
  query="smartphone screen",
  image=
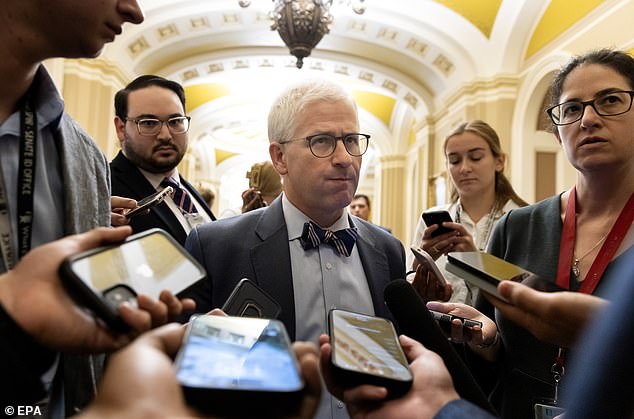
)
(367, 344)
(147, 263)
(492, 267)
(485, 271)
(237, 353)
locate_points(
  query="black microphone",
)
(415, 321)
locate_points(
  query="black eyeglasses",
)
(152, 126)
(324, 145)
(609, 104)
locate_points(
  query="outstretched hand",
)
(432, 388)
(553, 317)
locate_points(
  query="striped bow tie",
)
(342, 240)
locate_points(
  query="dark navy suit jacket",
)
(600, 383)
(127, 181)
(254, 245)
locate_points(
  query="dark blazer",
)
(128, 181)
(254, 245)
(599, 384)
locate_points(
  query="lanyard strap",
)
(609, 248)
(25, 191)
(26, 177)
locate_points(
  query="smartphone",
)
(239, 367)
(428, 263)
(445, 320)
(366, 350)
(485, 271)
(150, 201)
(437, 217)
(249, 300)
(148, 262)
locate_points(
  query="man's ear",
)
(119, 126)
(278, 158)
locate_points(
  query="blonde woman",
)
(481, 194)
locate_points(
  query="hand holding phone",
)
(239, 367)
(425, 260)
(437, 217)
(366, 350)
(150, 202)
(148, 262)
(445, 321)
(428, 281)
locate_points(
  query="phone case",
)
(437, 217)
(249, 300)
(104, 302)
(350, 377)
(233, 397)
(150, 201)
(426, 260)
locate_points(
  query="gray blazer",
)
(254, 245)
(86, 180)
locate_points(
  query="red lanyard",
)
(611, 244)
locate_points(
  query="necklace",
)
(577, 260)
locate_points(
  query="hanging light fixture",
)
(302, 23)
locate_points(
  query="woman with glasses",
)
(481, 195)
(575, 238)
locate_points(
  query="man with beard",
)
(152, 128)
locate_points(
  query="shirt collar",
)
(156, 178)
(295, 219)
(49, 105)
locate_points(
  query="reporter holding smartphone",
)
(38, 319)
(481, 195)
(575, 238)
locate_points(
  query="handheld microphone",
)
(415, 321)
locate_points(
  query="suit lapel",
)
(272, 262)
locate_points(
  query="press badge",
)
(546, 411)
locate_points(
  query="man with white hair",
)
(304, 249)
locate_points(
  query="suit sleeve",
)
(22, 363)
(201, 291)
(459, 409)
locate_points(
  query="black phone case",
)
(236, 403)
(352, 378)
(437, 217)
(249, 300)
(104, 304)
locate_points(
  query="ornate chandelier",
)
(302, 23)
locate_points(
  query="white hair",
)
(286, 108)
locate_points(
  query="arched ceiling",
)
(401, 57)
